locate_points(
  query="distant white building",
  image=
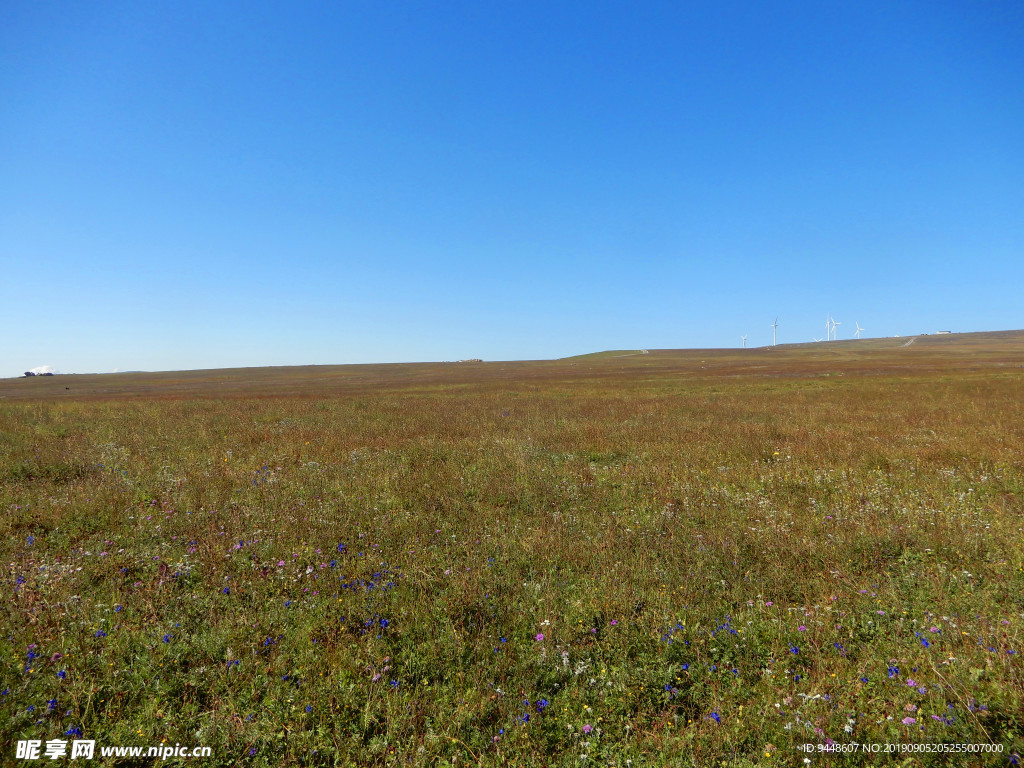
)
(941, 332)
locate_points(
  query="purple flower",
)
(588, 728)
(802, 628)
(909, 721)
(539, 636)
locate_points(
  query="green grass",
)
(724, 562)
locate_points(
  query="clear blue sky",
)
(196, 184)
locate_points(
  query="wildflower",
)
(542, 704)
(802, 628)
(911, 682)
(539, 636)
(384, 623)
(909, 721)
(51, 704)
(62, 674)
(615, 622)
(587, 729)
(715, 717)
(893, 671)
(31, 540)
(118, 608)
(309, 708)
(794, 650)
(167, 638)
(280, 563)
(225, 591)
(74, 730)
(863, 679)
(100, 633)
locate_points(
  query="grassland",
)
(676, 558)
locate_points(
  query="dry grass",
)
(394, 539)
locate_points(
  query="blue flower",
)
(793, 649)
(542, 704)
(118, 608)
(384, 622)
(74, 730)
(225, 591)
(309, 708)
(893, 671)
(31, 540)
(863, 679)
(167, 638)
(715, 717)
(31, 708)
(62, 674)
(100, 633)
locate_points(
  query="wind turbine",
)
(859, 329)
(744, 341)
(813, 339)
(775, 326)
(828, 329)
(835, 336)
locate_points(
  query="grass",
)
(678, 558)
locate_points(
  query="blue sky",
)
(194, 185)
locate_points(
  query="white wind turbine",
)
(744, 341)
(828, 328)
(775, 326)
(835, 336)
(859, 329)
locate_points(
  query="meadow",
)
(668, 559)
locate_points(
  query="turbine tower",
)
(859, 329)
(775, 327)
(835, 336)
(828, 328)
(744, 341)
